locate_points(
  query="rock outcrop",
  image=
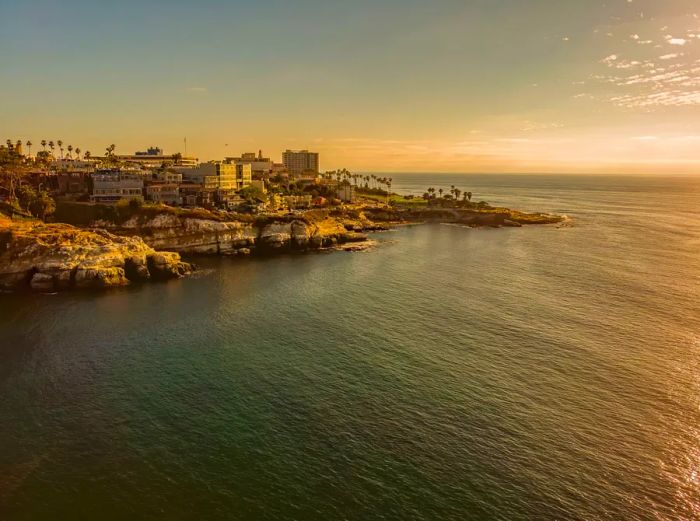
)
(50, 257)
(265, 235)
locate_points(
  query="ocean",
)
(547, 372)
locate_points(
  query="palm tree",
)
(70, 151)
(469, 196)
(9, 144)
(457, 193)
(51, 146)
(440, 192)
(87, 155)
(77, 153)
(29, 148)
(43, 144)
(60, 147)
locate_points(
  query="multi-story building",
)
(168, 176)
(154, 157)
(166, 193)
(115, 185)
(300, 161)
(195, 195)
(259, 165)
(218, 175)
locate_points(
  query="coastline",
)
(47, 257)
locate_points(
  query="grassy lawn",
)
(395, 199)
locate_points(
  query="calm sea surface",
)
(449, 374)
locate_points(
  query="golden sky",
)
(383, 85)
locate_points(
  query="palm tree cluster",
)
(47, 154)
(453, 195)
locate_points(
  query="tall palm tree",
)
(60, 147)
(469, 196)
(43, 144)
(440, 192)
(9, 144)
(51, 146)
(70, 151)
(77, 153)
(29, 148)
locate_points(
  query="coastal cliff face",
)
(50, 257)
(311, 230)
(205, 236)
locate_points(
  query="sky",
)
(580, 86)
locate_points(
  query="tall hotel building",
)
(300, 161)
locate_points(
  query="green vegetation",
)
(84, 214)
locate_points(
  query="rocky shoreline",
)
(55, 257)
(147, 247)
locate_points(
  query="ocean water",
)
(447, 374)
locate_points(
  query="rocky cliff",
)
(267, 234)
(49, 257)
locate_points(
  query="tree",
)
(70, 151)
(60, 147)
(42, 205)
(440, 192)
(43, 144)
(252, 193)
(29, 148)
(51, 146)
(77, 153)
(469, 196)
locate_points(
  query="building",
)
(217, 175)
(168, 176)
(300, 161)
(71, 183)
(346, 193)
(151, 151)
(153, 157)
(115, 185)
(294, 202)
(259, 165)
(195, 195)
(166, 193)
